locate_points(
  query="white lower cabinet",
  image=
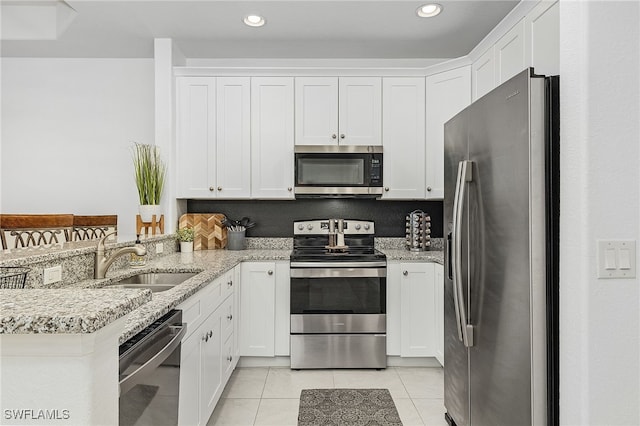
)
(206, 360)
(413, 323)
(261, 310)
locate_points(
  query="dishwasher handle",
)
(140, 373)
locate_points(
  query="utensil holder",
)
(235, 240)
(418, 231)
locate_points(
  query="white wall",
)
(67, 129)
(600, 187)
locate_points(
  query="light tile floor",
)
(270, 396)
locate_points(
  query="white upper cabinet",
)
(483, 74)
(509, 54)
(543, 31)
(360, 112)
(448, 93)
(196, 139)
(213, 137)
(233, 145)
(533, 42)
(316, 110)
(272, 137)
(331, 110)
(403, 124)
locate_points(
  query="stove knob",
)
(301, 227)
(309, 227)
(357, 226)
(366, 226)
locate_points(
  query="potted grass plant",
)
(150, 173)
(185, 236)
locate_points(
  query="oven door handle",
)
(338, 265)
(338, 272)
(140, 373)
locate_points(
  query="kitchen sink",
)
(154, 281)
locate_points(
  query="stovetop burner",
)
(320, 254)
(311, 239)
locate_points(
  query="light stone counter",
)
(86, 306)
(65, 311)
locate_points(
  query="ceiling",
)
(294, 29)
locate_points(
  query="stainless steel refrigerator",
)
(501, 220)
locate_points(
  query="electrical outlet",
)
(159, 248)
(52, 275)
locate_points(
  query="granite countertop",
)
(86, 306)
(64, 311)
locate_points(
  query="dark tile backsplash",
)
(275, 218)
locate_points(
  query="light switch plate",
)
(616, 259)
(52, 275)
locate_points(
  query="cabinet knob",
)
(230, 358)
(219, 188)
(405, 273)
(386, 189)
(205, 338)
(229, 283)
(211, 188)
(342, 136)
(270, 272)
(428, 188)
(333, 136)
(210, 333)
(229, 317)
(289, 189)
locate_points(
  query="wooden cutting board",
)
(208, 229)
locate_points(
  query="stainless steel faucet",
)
(103, 261)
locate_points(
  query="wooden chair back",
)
(93, 227)
(29, 230)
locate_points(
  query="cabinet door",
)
(196, 137)
(509, 54)
(316, 111)
(543, 43)
(189, 399)
(483, 75)
(283, 309)
(403, 124)
(394, 308)
(360, 111)
(438, 282)
(210, 365)
(272, 137)
(237, 285)
(233, 131)
(257, 309)
(448, 93)
(418, 310)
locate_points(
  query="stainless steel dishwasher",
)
(149, 373)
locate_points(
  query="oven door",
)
(338, 300)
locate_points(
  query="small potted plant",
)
(150, 171)
(185, 236)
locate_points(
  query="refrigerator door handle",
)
(465, 175)
(454, 256)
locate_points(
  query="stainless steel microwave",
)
(327, 171)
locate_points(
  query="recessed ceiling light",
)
(254, 20)
(429, 10)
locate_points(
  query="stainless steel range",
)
(338, 296)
